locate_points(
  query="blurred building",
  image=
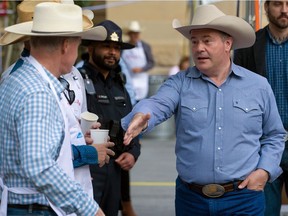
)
(154, 16)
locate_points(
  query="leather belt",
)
(31, 207)
(213, 190)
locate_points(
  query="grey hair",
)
(52, 43)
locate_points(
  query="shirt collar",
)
(273, 40)
(59, 88)
(195, 73)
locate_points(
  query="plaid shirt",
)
(32, 131)
(277, 75)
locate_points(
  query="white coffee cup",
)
(99, 136)
(87, 120)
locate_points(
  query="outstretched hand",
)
(136, 126)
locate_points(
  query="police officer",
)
(108, 98)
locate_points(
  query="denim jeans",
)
(239, 202)
(25, 212)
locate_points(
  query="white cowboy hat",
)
(209, 16)
(54, 19)
(134, 26)
(25, 12)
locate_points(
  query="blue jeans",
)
(25, 212)
(239, 202)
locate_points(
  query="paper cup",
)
(87, 119)
(99, 136)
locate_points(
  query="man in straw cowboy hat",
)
(36, 159)
(228, 129)
(82, 154)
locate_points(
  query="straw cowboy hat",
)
(25, 11)
(209, 16)
(114, 34)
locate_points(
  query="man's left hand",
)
(256, 180)
(126, 161)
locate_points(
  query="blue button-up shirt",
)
(222, 133)
(32, 131)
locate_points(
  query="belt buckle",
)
(213, 190)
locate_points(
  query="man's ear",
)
(229, 43)
(90, 49)
(65, 45)
(266, 6)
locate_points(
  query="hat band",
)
(44, 32)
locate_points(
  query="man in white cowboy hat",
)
(229, 133)
(83, 154)
(139, 60)
(34, 121)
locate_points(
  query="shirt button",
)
(219, 148)
(219, 128)
(194, 108)
(246, 109)
(220, 108)
(220, 90)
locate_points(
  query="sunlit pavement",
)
(153, 178)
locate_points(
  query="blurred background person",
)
(183, 64)
(139, 60)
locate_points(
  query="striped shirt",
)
(277, 74)
(32, 131)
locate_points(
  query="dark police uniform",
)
(110, 101)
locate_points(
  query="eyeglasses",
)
(69, 94)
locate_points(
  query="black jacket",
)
(253, 58)
(111, 102)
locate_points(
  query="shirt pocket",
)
(120, 101)
(247, 115)
(194, 113)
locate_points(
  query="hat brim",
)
(127, 30)
(242, 33)
(25, 29)
(88, 42)
(11, 38)
(126, 46)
